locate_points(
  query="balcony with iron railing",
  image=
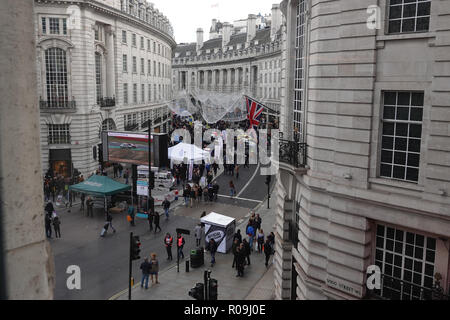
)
(106, 102)
(392, 288)
(293, 153)
(57, 105)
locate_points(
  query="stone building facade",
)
(101, 65)
(373, 107)
(247, 61)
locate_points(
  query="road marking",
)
(249, 181)
(245, 199)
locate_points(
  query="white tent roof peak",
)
(217, 219)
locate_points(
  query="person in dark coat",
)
(212, 247)
(246, 250)
(156, 221)
(48, 225)
(150, 220)
(166, 207)
(145, 267)
(234, 248)
(49, 208)
(238, 236)
(240, 260)
(56, 224)
(268, 250)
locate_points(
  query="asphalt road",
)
(104, 261)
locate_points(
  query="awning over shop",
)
(100, 186)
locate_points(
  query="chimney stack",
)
(251, 27)
(212, 31)
(226, 34)
(276, 20)
(199, 38)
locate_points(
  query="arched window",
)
(56, 78)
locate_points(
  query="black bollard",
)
(187, 265)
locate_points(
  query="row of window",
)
(154, 93)
(268, 65)
(133, 7)
(272, 77)
(270, 93)
(160, 69)
(158, 48)
(137, 120)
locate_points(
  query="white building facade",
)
(247, 61)
(372, 107)
(101, 65)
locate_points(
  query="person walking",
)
(198, 234)
(150, 219)
(166, 207)
(131, 214)
(49, 208)
(145, 267)
(154, 268)
(240, 260)
(250, 231)
(212, 247)
(180, 244)
(82, 198)
(186, 193)
(48, 225)
(56, 224)
(234, 251)
(238, 236)
(126, 175)
(192, 195)
(232, 189)
(215, 190)
(247, 250)
(156, 221)
(268, 250)
(236, 170)
(168, 241)
(109, 218)
(120, 168)
(90, 207)
(260, 240)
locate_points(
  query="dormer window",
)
(188, 53)
(208, 51)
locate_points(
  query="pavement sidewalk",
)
(257, 283)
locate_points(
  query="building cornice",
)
(113, 12)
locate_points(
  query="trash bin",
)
(197, 258)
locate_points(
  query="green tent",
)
(100, 186)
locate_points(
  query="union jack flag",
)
(254, 111)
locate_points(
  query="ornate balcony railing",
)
(396, 289)
(58, 104)
(293, 153)
(107, 102)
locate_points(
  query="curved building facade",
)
(101, 65)
(373, 189)
(247, 59)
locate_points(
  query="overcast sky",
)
(188, 15)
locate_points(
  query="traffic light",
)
(213, 284)
(198, 291)
(268, 178)
(135, 248)
(151, 179)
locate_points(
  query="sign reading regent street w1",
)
(344, 286)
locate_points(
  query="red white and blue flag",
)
(254, 111)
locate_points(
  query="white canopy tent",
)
(190, 152)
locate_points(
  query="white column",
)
(27, 256)
(110, 64)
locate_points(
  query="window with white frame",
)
(142, 66)
(149, 92)
(56, 77)
(401, 135)
(299, 73)
(124, 36)
(133, 40)
(54, 25)
(125, 93)
(44, 25)
(135, 93)
(98, 76)
(125, 63)
(406, 260)
(142, 43)
(409, 16)
(142, 93)
(58, 134)
(134, 64)
(148, 44)
(154, 68)
(149, 67)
